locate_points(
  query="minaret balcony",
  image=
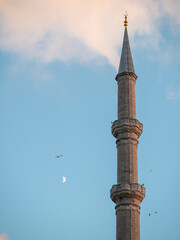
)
(126, 125)
(127, 190)
(126, 75)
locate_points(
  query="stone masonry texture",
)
(127, 194)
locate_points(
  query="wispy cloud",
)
(49, 30)
(172, 93)
(3, 236)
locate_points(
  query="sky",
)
(58, 95)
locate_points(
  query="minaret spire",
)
(126, 62)
(127, 194)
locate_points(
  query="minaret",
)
(127, 194)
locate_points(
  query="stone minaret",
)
(127, 194)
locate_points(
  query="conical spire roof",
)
(126, 62)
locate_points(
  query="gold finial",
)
(125, 21)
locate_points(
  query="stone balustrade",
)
(127, 189)
(126, 124)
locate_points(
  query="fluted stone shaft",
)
(129, 228)
(127, 161)
(127, 142)
(126, 96)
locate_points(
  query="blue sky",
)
(58, 95)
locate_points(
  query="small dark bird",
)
(149, 214)
(150, 170)
(155, 212)
(59, 156)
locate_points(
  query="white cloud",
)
(3, 236)
(172, 93)
(49, 30)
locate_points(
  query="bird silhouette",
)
(58, 156)
(155, 212)
(149, 214)
(150, 170)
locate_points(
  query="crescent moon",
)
(63, 179)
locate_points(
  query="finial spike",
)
(125, 21)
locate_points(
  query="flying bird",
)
(63, 179)
(149, 214)
(58, 156)
(150, 170)
(155, 212)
